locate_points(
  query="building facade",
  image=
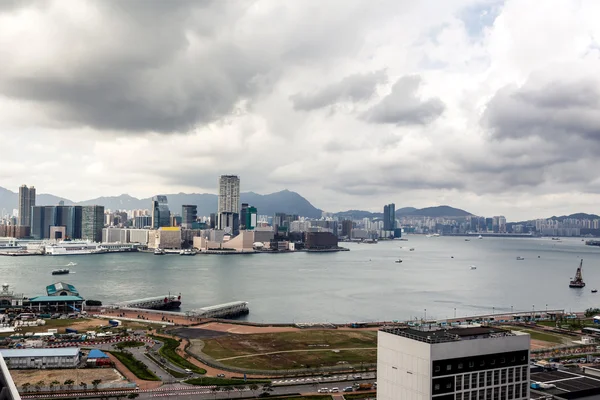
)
(189, 215)
(480, 363)
(44, 217)
(389, 217)
(320, 241)
(161, 215)
(26, 201)
(250, 221)
(92, 223)
(67, 357)
(229, 203)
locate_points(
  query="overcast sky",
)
(489, 106)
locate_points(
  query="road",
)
(294, 351)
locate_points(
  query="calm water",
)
(360, 285)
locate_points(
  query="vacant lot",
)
(238, 345)
(551, 339)
(107, 375)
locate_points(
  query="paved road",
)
(294, 351)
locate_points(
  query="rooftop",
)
(443, 335)
(569, 385)
(42, 299)
(59, 352)
(58, 286)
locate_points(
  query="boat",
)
(467, 240)
(398, 260)
(187, 252)
(594, 290)
(72, 247)
(473, 267)
(71, 264)
(159, 252)
(62, 271)
(520, 258)
(555, 238)
(578, 282)
(412, 249)
(480, 237)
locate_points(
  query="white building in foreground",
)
(480, 363)
(66, 357)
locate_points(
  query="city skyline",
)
(462, 104)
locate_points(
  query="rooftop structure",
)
(66, 357)
(567, 384)
(61, 289)
(440, 335)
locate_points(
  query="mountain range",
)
(284, 201)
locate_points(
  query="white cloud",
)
(166, 96)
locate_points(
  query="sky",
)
(486, 105)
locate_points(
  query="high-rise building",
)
(26, 201)
(161, 215)
(251, 218)
(229, 204)
(45, 217)
(455, 363)
(389, 217)
(243, 214)
(189, 215)
(347, 227)
(92, 222)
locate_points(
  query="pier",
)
(227, 310)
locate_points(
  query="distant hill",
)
(432, 212)
(576, 216)
(284, 201)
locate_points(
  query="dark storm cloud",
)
(353, 88)
(552, 109)
(403, 107)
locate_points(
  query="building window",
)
(473, 381)
(523, 373)
(449, 367)
(496, 377)
(460, 365)
(458, 396)
(523, 388)
(488, 378)
(471, 364)
(511, 394)
(437, 368)
(481, 395)
(488, 394)
(481, 379)
(510, 375)
(503, 377)
(436, 387)
(496, 393)
(459, 382)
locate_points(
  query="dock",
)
(227, 310)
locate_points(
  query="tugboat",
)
(62, 271)
(594, 290)
(578, 282)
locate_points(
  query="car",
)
(348, 389)
(357, 376)
(323, 390)
(189, 371)
(334, 390)
(220, 375)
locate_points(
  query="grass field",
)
(130, 343)
(237, 345)
(168, 351)
(543, 336)
(138, 368)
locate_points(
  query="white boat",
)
(187, 252)
(159, 252)
(480, 237)
(66, 248)
(71, 264)
(473, 267)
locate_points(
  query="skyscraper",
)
(45, 217)
(250, 222)
(26, 201)
(92, 223)
(243, 215)
(389, 217)
(229, 203)
(189, 214)
(161, 215)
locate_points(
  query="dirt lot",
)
(108, 375)
(245, 329)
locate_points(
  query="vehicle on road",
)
(348, 389)
(334, 390)
(189, 371)
(220, 375)
(323, 390)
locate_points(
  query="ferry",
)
(187, 252)
(398, 260)
(520, 258)
(473, 267)
(480, 237)
(594, 290)
(62, 271)
(578, 282)
(66, 248)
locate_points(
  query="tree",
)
(39, 385)
(132, 395)
(84, 385)
(54, 383)
(26, 386)
(69, 383)
(95, 383)
(254, 388)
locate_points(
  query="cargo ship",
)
(168, 302)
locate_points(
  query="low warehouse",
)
(67, 357)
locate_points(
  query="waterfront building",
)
(8, 390)
(189, 215)
(44, 217)
(161, 215)
(92, 223)
(320, 240)
(389, 217)
(450, 364)
(26, 202)
(347, 226)
(165, 238)
(66, 357)
(142, 221)
(14, 231)
(229, 204)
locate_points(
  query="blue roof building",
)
(95, 353)
(61, 289)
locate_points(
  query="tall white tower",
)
(229, 202)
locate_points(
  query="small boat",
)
(412, 249)
(480, 237)
(62, 271)
(451, 256)
(520, 258)
(159, 252)
(71, 264)
(467, 240)
(187, 252)
(555, 238)
(398, 260)
(473, 267)
(578, 282)
(594, 290)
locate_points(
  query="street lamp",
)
(454, 312)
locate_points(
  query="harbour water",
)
(364, 284)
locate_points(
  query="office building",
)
(26, 201)
(66, 357)
(8, 390)
(45, 217)
(142, 221)
(452, 364)
(189, 215)
(92, 223)
(161, 215)
(229, 204)
(320, 241)
(250, 218)
(389, 217)
(243, 214)
(347, 226)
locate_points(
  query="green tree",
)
(69, 383)
(54, 383)
(39, 385)
(26, 386)
(254, 388)
(95, 383)
(84, 385)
